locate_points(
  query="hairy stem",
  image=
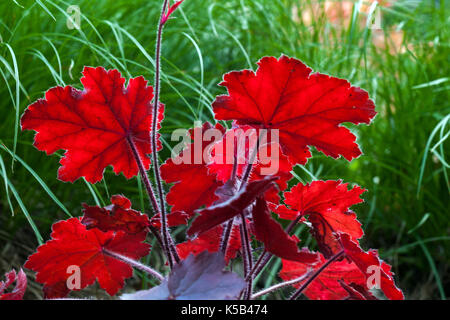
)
(263, 260)
(164, 228)
(173, 250)
(226, 236)
(316, 274)
(144, 177)
(251, 160)
(247, 256)
(135, 264)
(150, 193)
(244, 180)
(281, 285)
(229, 227)
(249, 167)
(155, 232)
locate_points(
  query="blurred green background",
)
(402, 60)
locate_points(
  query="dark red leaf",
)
(306, 108)
(116, 217)
(326, 203)
(269, 156)
(95, 126)
(73, 245)
(368, 263)
(210, 240)
(275, 239)
(219, 213)
(121, 201)
(198, 277)
(173, 219)
(19, 289)
(357, 292)
(193, 185)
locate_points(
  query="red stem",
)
(247, 256)
(164, 228)
(144, 177)
(226, 235)
(280, 285)
(151, 194)
(229, 227)
(135, 264)
(245, 177)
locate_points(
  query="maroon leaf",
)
(356, 291)
(198, 277)
(275, 239)
(210, 240)
(219, 213)
(115, 217)
(173, 219)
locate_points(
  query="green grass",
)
(405, 161)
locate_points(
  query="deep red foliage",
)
(97, 127)
(357, 292)
(275, 239)
(210, 240)
(174, 219)
(326, 286)
(326, 203)
(73, 245)
(116, 217)
(268, 155)
(366, 261)
(109, 124)
(306, 108)
(221, 212)
(193, 185)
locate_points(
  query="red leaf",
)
(173, 219)
(219, 213)
(210, 240)
(357, 292)
(269, 156)
(19, 289)
(327, 284)
(73, 245)
(275, 239)
(193, 185)
(306, 108)
(116, 217)
(368, 262)
(121, 201)
(94, 126)
(327, 205)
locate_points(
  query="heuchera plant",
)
(229, 207)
